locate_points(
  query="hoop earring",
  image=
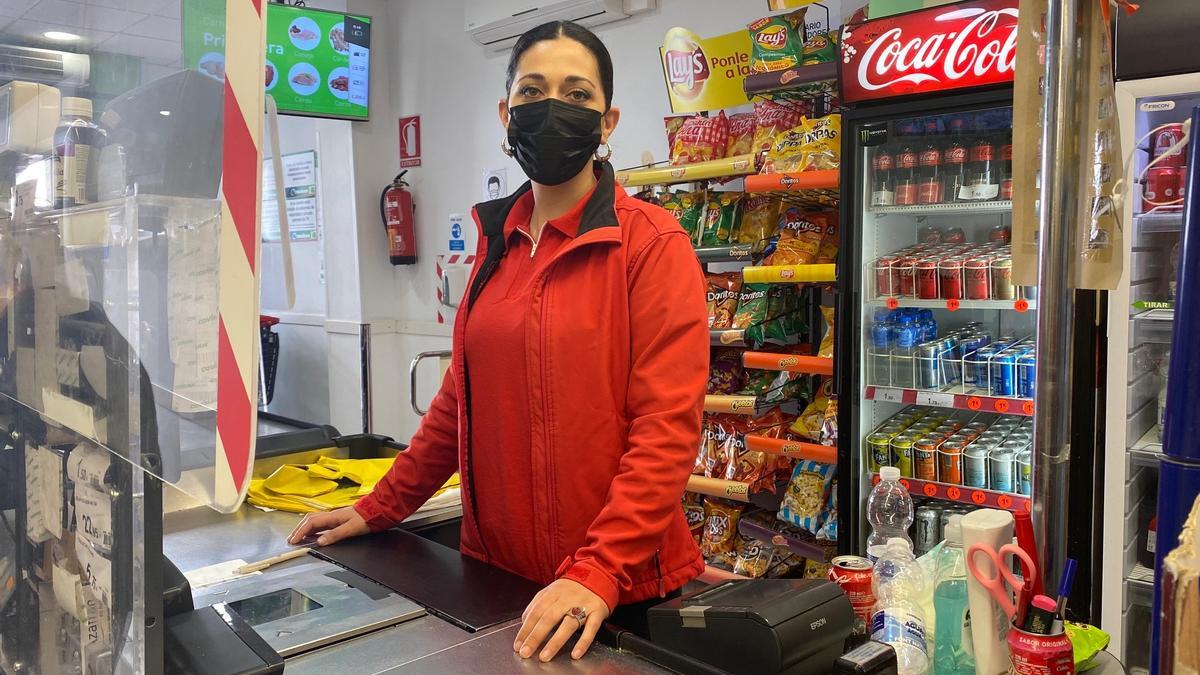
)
(505, 148)
(608, 154)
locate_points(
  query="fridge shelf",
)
(808, 549)
(790, 274)
(964, 495)
(1139, 586)
(729, 167)
(1018, 305)
(955, 397)
(997, 206)
(825, 454)
(722, 254)
(792, 363)
(1148, 450)
(1159, 221)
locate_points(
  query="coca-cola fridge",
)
(936, 358)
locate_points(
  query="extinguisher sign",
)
(410, 141)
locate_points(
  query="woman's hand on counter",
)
(330, 527)
(548, 616)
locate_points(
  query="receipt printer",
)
(793, 626)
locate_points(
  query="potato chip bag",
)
(819, 48)
(812, 145)
(724, 212)
(693, 511)
(800, 236)
(700, 139)
(760, 219)
(826, 348)
(814, 569)
(753, 557)
(808, 424)
(741, 135)
(752, 306)
(770, 119)
(723, 290)
(806, 495)
(693, 213)
(673, 124)
(777, 42)
(673, 203)
(829, 422)
(720, 526)
(829, 243)
(725, 372)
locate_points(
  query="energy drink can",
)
(950, 462)
(1004, 375)
(975, 467)
(1026, 375)
(879, 450)
(929, 531)
(1000, 469)
(1025, 472)
(902, 452)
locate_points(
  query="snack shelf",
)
(789, 183)
(955, 397)
(790, 274)
(792, 363)
(715, 575)
(1159, 221)
(796, 545)
(721, 254)
(1017, 305)
(962, 494)
(825, 454)
(716, 487)
(783, 80)
(996, 206)
(735, 405)
(729, 167)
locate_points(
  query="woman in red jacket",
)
(580, 354)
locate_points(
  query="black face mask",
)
(552, 140)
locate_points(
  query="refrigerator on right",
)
(1152, 113)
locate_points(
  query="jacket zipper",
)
(662, 585)
(534, 242)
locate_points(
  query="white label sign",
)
(935, 399)
(889, 395)
(23, 199)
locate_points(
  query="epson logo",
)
(818, 623)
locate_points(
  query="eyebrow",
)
(570, 79)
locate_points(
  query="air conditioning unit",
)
(47, 66)
(496, 24)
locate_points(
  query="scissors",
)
(1002, 584)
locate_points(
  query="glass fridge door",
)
(947, 342)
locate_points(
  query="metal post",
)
(1060, 167)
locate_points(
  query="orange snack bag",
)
(829, 244)
(800, 235)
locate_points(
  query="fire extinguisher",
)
(398, 212)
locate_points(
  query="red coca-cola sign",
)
(967, 44)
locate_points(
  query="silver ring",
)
(579, 613)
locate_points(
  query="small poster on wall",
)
(300, 194)
(495, 184)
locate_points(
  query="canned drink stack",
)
(975, 467)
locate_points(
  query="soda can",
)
(969, 434)
(902, 452)
(954, 235)
(925, 457)
(879, 450)
(1000, 469)
(948, 428)
(927, 279)
(1000, 234)
(1014, 445)
(975, 467)
(855, 575)
(950, 274)
(1166, 137)
(1026, 375)
(976, 367)
(887, 280)
(991, 437)
(1003, 381)
(1025, 472)
(981, 427)
(929, 371)
(979, 283)
(950, 462)
(929, 531)
(1002, 284)
(1029, 292)
(891, 430)
(906, 275)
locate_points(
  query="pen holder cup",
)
(1034, 654)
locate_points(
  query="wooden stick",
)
(274, 560)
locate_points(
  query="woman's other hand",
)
(330, 527)
(548, 616)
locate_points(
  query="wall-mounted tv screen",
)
(318, 62)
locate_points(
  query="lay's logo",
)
(772, 37)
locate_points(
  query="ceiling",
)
(148, 29)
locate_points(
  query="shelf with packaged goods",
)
(1016, 305)
(728, 167)
(1159, 221)
(788, 80)
(726, 254)
(808, 189)
(726, 337)
(962, 494)
(995, 206)
(748, 406)
(809, 550)
(957, 398)
(737, 491)
(790, 274)
(792, 363)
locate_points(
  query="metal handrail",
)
(412, 377)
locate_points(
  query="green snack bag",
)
(820, 48)
(724, 209)
(777, 42)
(753, 307)
(692, 204)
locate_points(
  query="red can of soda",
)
(1164, 138)
(950, 273)
(854, 575)
(955, 235)
(886, 281)
(929, 235)
(1163, 189)
(1001, 234)
(979, 287)
(927, 279)
(906, 272)
(1034, 654)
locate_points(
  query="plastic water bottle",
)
(902, 353)
(880, 356)
(889, 512)
(898, 618)
(930, 325)
(953, 653)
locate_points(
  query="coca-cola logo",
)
(884, 162)
(964, 45)
(907, 160)
(956, 155)
(931, 157)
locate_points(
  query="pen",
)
(1065, 584)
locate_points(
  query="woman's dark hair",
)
(565, 29)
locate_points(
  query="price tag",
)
(1027, 408)
(93, 517)
(875, 479)
(1001, 405)
(974, 403)
(906, 484)
(1021, 305)
(953, 493)
(978, 496)
(1004, 502)
(892, 303)
(889, 395)
(23, 197)
(936, 399)
(930, 490)
(952, 304)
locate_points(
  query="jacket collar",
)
(599, 210)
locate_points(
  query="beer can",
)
(1025, 472)
(1000, 469)
(879, 450)
(950, 275)
(929, 531)
(979, 283)
(927, 279)
(1026, 375)
(925, 457)
(854, 575)
(1163, 139)
(975, 467)
(902, 452)
(950, 462)
(1003, 381)
(929, 371)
